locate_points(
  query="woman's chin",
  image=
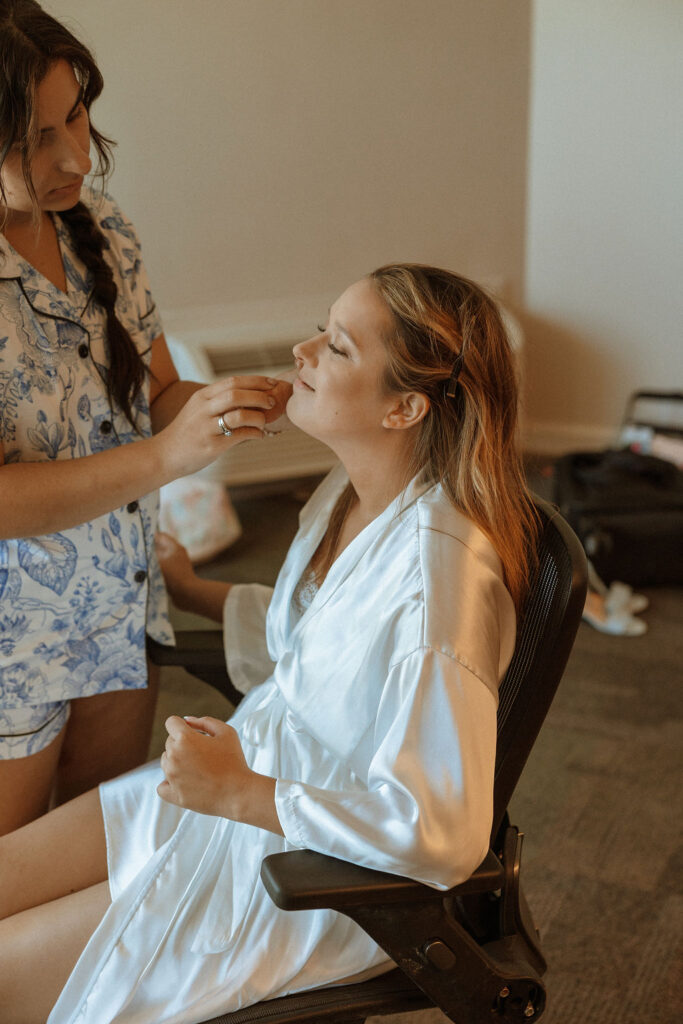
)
(298, 418)
(292, 413)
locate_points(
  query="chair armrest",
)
(305, 880)
(414, 924)
(201, 653)
(193, 647)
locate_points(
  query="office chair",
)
(472, 951)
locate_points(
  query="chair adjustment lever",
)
(439, 954)
(512, 859)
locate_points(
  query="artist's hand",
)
(206, 771)
(194, 438)
(281, 392)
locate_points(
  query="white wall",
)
(604, 274)
(273, 151)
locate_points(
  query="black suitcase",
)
(626, 508)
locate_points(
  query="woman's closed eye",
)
(332, 347)
(76, 112)
(47, 135)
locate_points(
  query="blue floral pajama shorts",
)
(28, 729)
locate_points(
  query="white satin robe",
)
(375, 710)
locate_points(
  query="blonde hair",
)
(468, 439)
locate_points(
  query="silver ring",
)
(224, 429)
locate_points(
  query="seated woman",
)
(368, 729)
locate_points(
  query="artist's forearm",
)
(44, 497)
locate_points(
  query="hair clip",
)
(452, 381)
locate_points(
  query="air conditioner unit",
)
(211, 346)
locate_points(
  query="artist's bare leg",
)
(39, 948)
(61, 853)
(106, 735)
(26, 785)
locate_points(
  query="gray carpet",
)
(599, 801)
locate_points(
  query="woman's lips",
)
(301, 384)
(65, 190)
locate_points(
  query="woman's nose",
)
(73, 157)
(305, 351)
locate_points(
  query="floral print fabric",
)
(30, 728)
(75, 604)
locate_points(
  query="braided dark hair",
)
(125, 373)
(31, 41)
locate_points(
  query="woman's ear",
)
(407, 411)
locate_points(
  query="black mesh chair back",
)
(545, 636)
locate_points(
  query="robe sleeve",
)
(244, 634)
(428, 807)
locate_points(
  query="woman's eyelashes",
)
(337, 351)
(46, 135)
(332, 347)
(77, 112)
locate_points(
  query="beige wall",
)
(278, 149)
(604, 272)
(270, 151)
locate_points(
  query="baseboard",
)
(544, 438)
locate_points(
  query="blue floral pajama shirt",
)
(75, 604)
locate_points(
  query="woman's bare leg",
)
(61, 853)
(26, 785)
(39, 949)
(106, 735)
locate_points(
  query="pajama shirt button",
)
(140, 576)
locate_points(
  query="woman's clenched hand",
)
(205, 771)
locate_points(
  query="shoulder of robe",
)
(469, 614)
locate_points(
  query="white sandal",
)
(620, 598)
(621, 625)
(613, 616)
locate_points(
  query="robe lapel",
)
(313, 518)
(284, 625)
(306, 646)
(351, 556)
